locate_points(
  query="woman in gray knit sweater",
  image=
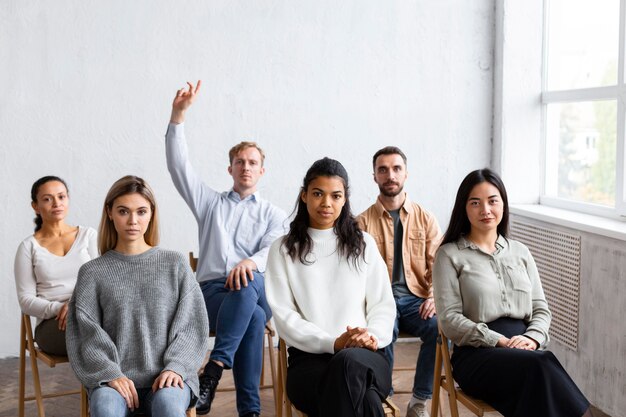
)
(133, 336)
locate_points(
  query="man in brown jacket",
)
(407, 237)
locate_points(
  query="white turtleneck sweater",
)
(313, 304)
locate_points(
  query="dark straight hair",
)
(350, 242)
(34, 190)
(459, 222)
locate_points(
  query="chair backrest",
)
(193, 262)
(446, 381)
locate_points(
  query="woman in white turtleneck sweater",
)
(331, 299)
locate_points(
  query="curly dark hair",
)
(350, 240)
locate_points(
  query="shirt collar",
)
(380, 210)
(234, 195)
(464, 243)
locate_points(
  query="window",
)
(584, 97)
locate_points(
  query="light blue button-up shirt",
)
(229, 229)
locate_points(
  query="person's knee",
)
(107, 402)
(172, 401)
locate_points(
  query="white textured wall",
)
(85, 91)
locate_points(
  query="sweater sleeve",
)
(188, 339)
(449, 304)
(91, 351)
(291, 325)
(196, 194)
(26, 286)
(380, 306)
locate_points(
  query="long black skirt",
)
(351, 383)
(517, 383)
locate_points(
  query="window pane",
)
(582, 43)
(581, 151)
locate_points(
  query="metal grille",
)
(557, 255)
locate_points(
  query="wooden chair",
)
(27, 343)
(388, 406)
(84, 402)
(269, 334)
(446, 381)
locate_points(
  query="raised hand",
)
(183, 99)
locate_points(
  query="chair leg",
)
(84, 402)
(33, 365)
(282, 369)
(22, 377)
(272, 355)
(262, 382)
(454, 409)
(435, 404)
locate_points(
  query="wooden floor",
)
(223, 406)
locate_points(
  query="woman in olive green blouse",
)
(490, 303)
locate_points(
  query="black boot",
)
(208, 385)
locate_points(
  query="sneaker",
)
(208, 386)
(418, 410)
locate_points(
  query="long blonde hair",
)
(107, 235)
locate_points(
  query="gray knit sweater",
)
(136, 316)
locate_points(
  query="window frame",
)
(615, 92)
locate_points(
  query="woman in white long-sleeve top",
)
(491, 305)
(329, 291)
(134, 336)
(47, 263)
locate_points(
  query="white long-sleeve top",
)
(312, 304)
(45, 281)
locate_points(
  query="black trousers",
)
(49, 338)
(352, 382)
(517, 383)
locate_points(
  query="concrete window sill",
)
(578, 221)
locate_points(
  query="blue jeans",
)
(238, 319)
(408, 320)
(166, 402)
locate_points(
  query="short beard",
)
(388, 193)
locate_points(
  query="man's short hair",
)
(244, 145)
(388, 150)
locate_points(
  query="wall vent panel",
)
(557, 255)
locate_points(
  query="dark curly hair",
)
(350, 240)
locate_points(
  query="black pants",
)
(517, 383)
(49, 338)
(352, 382)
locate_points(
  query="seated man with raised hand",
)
(236, 229)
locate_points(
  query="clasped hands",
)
(126, 387)
(518, 342)
(356, 337)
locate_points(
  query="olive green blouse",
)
(473, 287)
